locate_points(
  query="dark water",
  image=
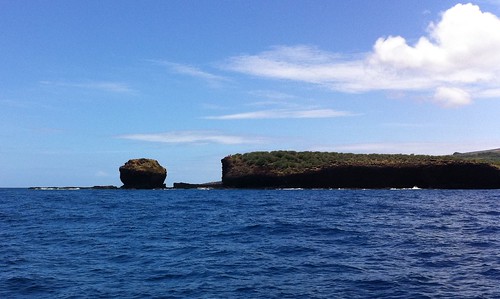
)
(249, 244)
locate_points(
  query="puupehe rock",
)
(143, 174)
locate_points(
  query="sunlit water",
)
(249, 244)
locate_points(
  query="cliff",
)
(288, 169)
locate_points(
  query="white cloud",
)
(460, 56)
(106, 86)
(452, 97)
(187, 137)
(283, 113)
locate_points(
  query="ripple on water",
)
(249, 244)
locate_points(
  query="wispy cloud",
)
(187, 137)
(283, 113)
(458, 60)
(193, 71)
(272, 95)
(106, 86)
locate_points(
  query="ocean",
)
(249, 243)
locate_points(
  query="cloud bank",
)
(458, 60)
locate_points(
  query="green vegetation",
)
(145, 165)
(290, 162)
(490, 156)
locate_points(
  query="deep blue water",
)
(249, 244)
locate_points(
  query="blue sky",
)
(87, 85)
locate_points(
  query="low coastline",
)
(110, 187)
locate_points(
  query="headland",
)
(290, 169)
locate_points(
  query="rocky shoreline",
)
(452, 176)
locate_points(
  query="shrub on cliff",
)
(287, 162)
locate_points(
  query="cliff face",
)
(143, 174)
(357, 171)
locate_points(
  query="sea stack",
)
(143, 174)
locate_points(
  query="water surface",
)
(249, 244)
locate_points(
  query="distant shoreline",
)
(110, 187)
(322, 170)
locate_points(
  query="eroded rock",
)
(143, 174)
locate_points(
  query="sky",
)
(87, 85)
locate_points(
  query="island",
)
(291, 169)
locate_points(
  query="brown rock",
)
(143, 174)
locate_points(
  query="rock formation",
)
(284, 169)
(143, 174)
